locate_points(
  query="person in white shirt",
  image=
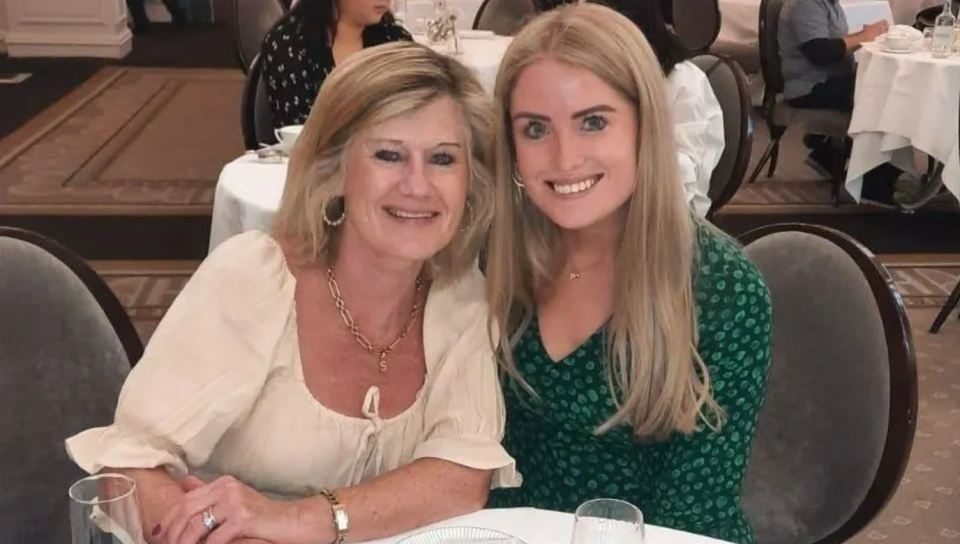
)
(697, 117)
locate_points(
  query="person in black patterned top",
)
(304, 46)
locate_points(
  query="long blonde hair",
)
(655, 375)
(372, 87)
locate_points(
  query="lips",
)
(575, 186)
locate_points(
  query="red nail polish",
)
(156, 530)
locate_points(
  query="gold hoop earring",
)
(337, 221)
(470, 218)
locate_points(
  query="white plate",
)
(905, 51)
(476, 34)
(461, 535)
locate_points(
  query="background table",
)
(247, 197)
(904, 102)
(466, 11)
(739, 19)
(545, 527)
(481, 54)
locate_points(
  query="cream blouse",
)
(220, 389)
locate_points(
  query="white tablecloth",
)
(904, 102)
(545, 527)
(740, 19)
(481, 54)
(247, 197)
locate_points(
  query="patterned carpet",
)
(126, 141)
(926, 507)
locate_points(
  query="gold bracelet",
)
(341, 521)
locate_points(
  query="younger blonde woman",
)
(640, 335)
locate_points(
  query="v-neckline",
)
(535, 326)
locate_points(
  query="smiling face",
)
(406, 183)
(363, 12)
(576, 143)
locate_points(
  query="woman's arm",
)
(423, 492)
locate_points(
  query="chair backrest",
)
(256, 119)
(769, 26)
(836, 428)
(730, 86)
(252, 20)
(65, 348)
(504, 17)
(696, 23)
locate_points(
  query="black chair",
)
(66, 345)
(252, 20)
(504, 17)
(696, 23)
(730, 86)
(256, 119)
(777, 112)
(835, 432)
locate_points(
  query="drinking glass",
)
(104, 510)
(608, 521)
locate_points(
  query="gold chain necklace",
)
(379, 352)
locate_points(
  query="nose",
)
(414, 182)
(569, 153)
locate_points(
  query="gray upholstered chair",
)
(696, 23)
(837, 424)
(65, 347)
(256, 119)
(504, 17)
(730, 86)
(778, 114)
(252, 20)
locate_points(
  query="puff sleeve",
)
(204, 367)
(464, 413)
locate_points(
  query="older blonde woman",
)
(641, 335)
(335, 377)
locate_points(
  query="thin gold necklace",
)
(379, 352)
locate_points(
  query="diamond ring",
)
(209, 520)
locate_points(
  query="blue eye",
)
(594, 123)
(442, 159)
(535, 130)
(388, 156)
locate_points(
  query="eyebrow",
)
(576, 115)
(401, 142)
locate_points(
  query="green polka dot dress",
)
(691, 483)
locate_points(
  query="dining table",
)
(904, 102)
(536, 526)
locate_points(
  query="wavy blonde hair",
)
(371, 87)
(656, 376)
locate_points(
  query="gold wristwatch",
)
(341, 521)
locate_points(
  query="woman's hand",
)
(240, 511)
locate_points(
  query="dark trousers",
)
(836, 93)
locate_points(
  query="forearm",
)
(157, 492)
(854, 41)
(423, 492)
